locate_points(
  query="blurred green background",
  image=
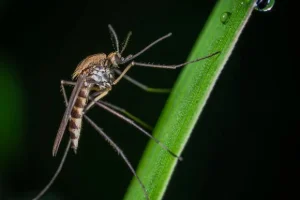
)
(233, 152)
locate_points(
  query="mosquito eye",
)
(117, 60)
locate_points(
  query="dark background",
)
(234, 150)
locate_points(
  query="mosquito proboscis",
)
(95, 76)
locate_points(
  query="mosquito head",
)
(115, 58)
(119, 59)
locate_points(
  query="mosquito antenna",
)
(115, 37)
(115, 146)
(138, 127)
(46, 188)
(129, 58)
(174, 66)
(124, 45)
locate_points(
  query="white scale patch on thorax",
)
(102, 77)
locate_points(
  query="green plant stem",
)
(189, 96)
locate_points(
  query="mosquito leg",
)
(137, 127)
(123, 73)
(62, 85)
(70, 83)
(110, 141)
(125, 112)
(63, 82)
(142, 86)
(115, 146)
(97, 98)
(128, 114)
(153, 65)
(174, 66)
(46, 188)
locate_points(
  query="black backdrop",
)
(233, 152)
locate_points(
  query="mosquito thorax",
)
(89, 63)
(101, 76)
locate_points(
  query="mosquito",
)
(95, 77)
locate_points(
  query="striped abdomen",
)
(76, 117)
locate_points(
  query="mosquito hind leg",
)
(143, 86)
(121, 110)
(131, 122)
(63, 82)
(117, 108)
(58, 170)
(120, 152)
(62, 85)
(128, 114)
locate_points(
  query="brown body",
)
(76, 116)
(99, 77)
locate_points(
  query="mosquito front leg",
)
(174, 66)
(123, 73)
(143, 86)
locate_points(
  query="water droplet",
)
(246, 2)
(225, 17)
(264, 5)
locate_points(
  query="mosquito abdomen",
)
(76, 117)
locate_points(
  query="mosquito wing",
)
(67, 113)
